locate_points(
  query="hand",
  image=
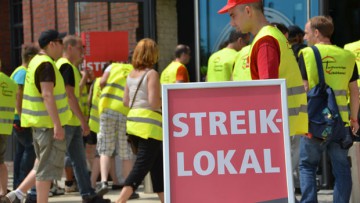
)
(59, 133)
(354, 126)
(85, 129)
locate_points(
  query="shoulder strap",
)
(142, 78)
(319, 65)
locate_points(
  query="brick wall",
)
(166, 19)
(5, 36)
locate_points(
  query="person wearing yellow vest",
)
(355, 48)
(45, 109)
(271, 57)
(77, 127)
(7, 108)
(221, 63)
(241, 70)
(24, 149)
(340, 74)
(111, 139)
(176, 71)
(144, 121)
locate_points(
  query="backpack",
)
(325, 122)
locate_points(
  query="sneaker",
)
(117, 187)
(96, 199)
(103, 189)
(72, 188)
(56, 190)
(5, 199)
(134, 195)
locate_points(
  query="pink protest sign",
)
(226, 142)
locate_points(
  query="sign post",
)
(227, 142)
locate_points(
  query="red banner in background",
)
(102, 47)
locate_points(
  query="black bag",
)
(325, 122)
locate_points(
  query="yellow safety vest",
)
(83, 100)
(355, 48)
(113, 92)
(12, 77)
(144, 123)
(74, 120)
(220, 65)
(7, 104)
(242, 67)
(289, 70)
(34, 112)
(94, 121)
(169, 73)
(338, 67)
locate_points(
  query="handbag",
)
(325, 122)
(134, 143)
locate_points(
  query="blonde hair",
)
(146, 54)
(71, 40)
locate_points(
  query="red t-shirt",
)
(265, 59)
(182, 74)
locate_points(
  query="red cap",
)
(232, 3)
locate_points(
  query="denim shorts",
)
(3, 140)
(50, 153)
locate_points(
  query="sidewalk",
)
(324, 196)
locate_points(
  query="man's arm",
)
(182, 75)
(19, 97)
(354, 105)
(75, 108)
(47, 89)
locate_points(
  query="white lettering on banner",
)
(241, 122)
(221, 162)
(95, 66)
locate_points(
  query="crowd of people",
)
(53, 109)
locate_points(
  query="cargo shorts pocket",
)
(57, 153)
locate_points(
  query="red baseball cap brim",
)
(232, 3)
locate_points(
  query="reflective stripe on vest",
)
(338, 65)
(113, 92)
(144, 123)
(7, 104)
(242, 68)
(84, 101)
(220, 65)
(94, 121)
(289, 70)
(169, 73)
(74, 120)
(34, 111)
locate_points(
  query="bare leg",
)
(127, 165)
(161, 196)
(113, 173)
(125, 194)
(3, 179)
(95, 171)
(28, 182)
(42, 190)
(105, 163)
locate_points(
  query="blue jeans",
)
(24, 153)
(76, 151)
(310, 154)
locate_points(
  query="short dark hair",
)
(281, 27)
(28, 51)
(324, 24)
(181, 49)
(235, 35)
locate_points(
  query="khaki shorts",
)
(3, 140)
(50, 153)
